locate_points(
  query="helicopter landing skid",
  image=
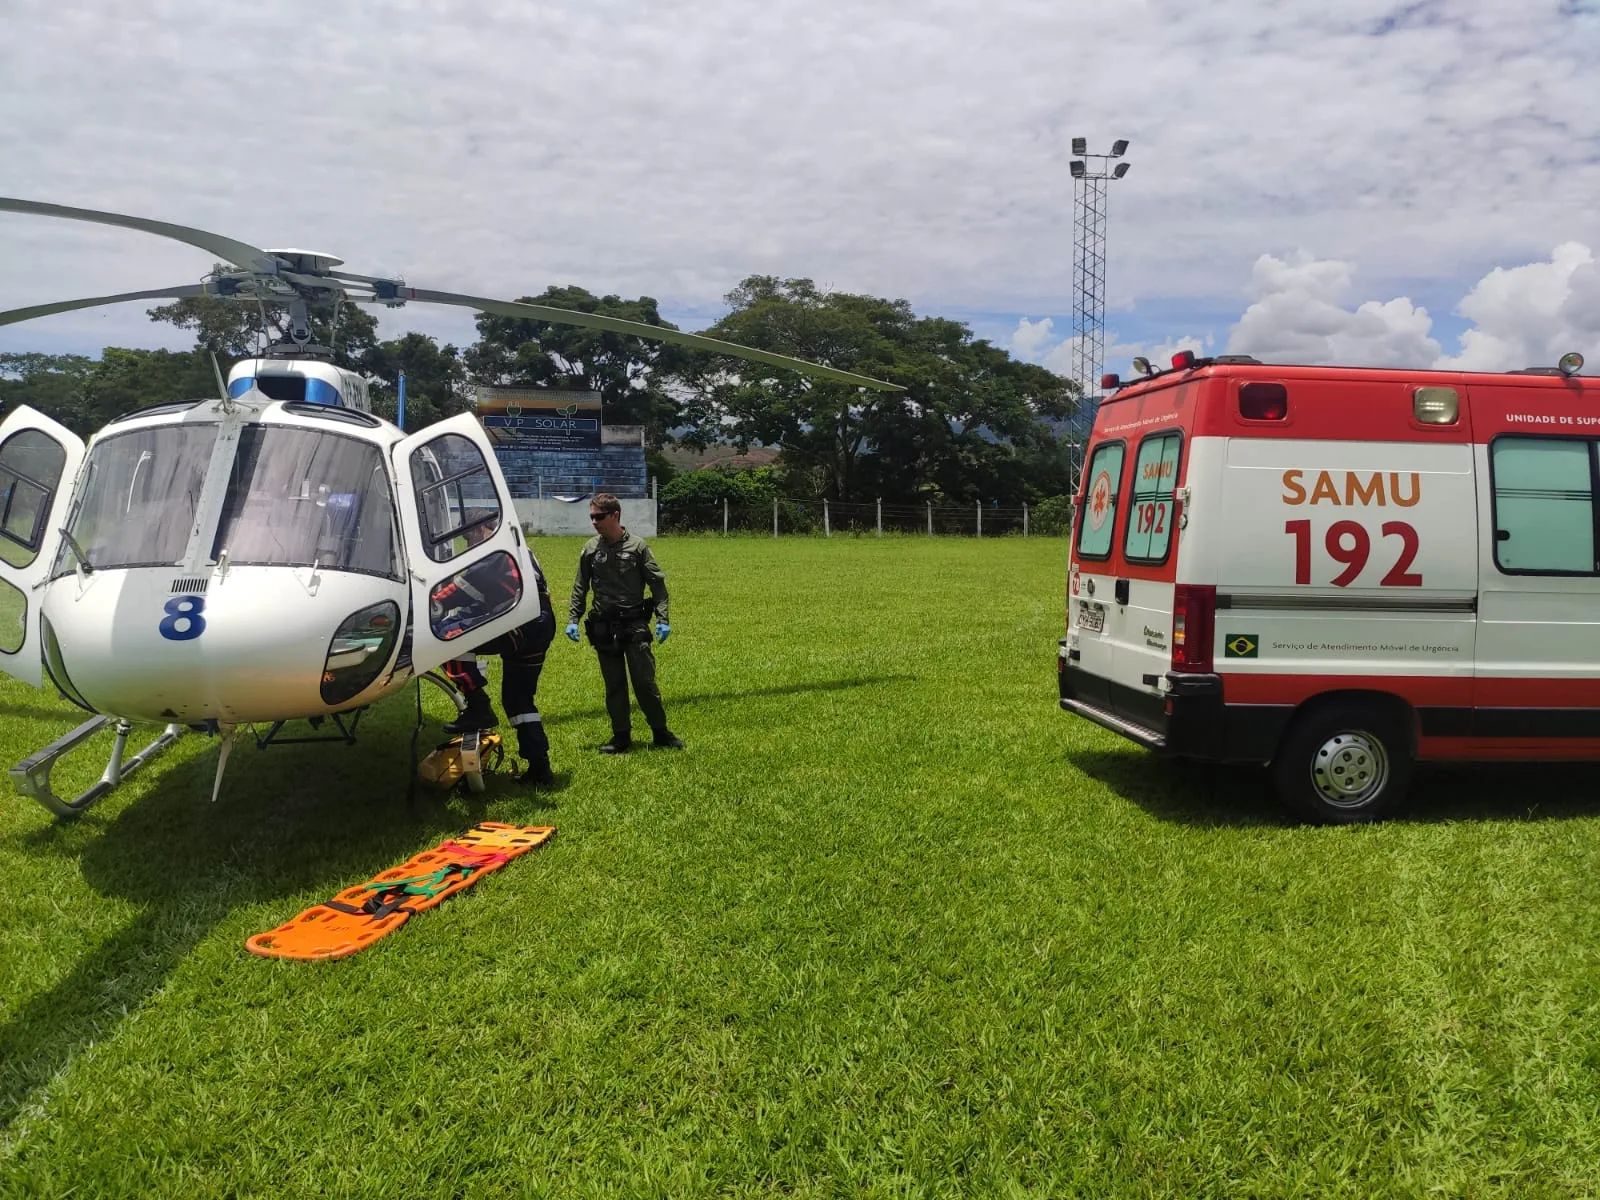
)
(32, 775)
(346, 734)
(347, 731)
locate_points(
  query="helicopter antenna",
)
(216, 369)
(261, 333)
(333, 326)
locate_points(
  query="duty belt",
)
(623, 615)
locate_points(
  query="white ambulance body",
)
(1340, 572)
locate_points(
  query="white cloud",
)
(1031, 337)
(1521, 316)
(1298, 317)
(909, 151)
(1531, 315)
(1034, 341)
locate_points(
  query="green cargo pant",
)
(634, 658)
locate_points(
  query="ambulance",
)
(1339, 572)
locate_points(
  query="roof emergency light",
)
(1110, 382)
(1183, 360)
(1570, 363)
(1142, 365)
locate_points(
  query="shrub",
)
(1051, 516)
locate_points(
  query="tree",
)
(630, 373)
(125, 380)
(436, 379)
(233, 329)
(968, 426)
(52, 383)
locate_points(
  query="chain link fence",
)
(787, 516)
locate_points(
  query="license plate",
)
(1091, 616)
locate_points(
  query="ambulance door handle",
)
(1502, 535)
(1122, 591)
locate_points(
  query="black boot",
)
(620, 743)
(667, 740)
(538, 773)
(479, 715)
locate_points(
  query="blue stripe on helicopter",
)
(318, 391)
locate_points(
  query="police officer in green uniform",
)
(619, 568)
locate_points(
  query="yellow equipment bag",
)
(450, 763)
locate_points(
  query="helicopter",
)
(275, 553)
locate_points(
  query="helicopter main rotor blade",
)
(44, 310)
(694, 341)
(240, 254)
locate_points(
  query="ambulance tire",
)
(1344, 763)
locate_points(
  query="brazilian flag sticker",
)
(1241, 645)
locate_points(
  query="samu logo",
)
(183, 621)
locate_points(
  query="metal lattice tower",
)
(1091, 173)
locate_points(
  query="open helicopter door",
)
(471, 576)
(39, 459)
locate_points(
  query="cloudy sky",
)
(1364, 181)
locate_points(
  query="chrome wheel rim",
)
(1349, 769)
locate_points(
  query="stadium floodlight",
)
(1091, 176)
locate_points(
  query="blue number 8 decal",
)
(183, 620)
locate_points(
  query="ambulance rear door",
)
(1139, 621)
(1126, 554)
(1092, 588)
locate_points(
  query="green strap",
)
(429, 885)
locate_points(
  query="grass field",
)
(891, 925)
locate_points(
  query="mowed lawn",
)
(891, 925)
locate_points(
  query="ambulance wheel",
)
(1344, 763)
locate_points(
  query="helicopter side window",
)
(302, 497)
(456, 496)
(31, 463)
(140, 491)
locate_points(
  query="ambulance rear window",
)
(1098, 522)
(1155, 475)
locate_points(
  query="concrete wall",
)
(557, 517)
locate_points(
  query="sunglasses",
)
(598, 516)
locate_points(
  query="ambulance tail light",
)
(1263, 401)
(1194, 626)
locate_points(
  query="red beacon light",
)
(1110, 382)
(1183, 360)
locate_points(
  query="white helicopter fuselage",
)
(250, 559)
(264, 639)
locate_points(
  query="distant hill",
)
(719, 456)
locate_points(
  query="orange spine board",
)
(330, 930)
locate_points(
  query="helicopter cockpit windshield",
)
(138, 501)
(299, 497)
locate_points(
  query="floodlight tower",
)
(1091, 173)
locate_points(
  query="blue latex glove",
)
(572, 632)
(662, 629)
